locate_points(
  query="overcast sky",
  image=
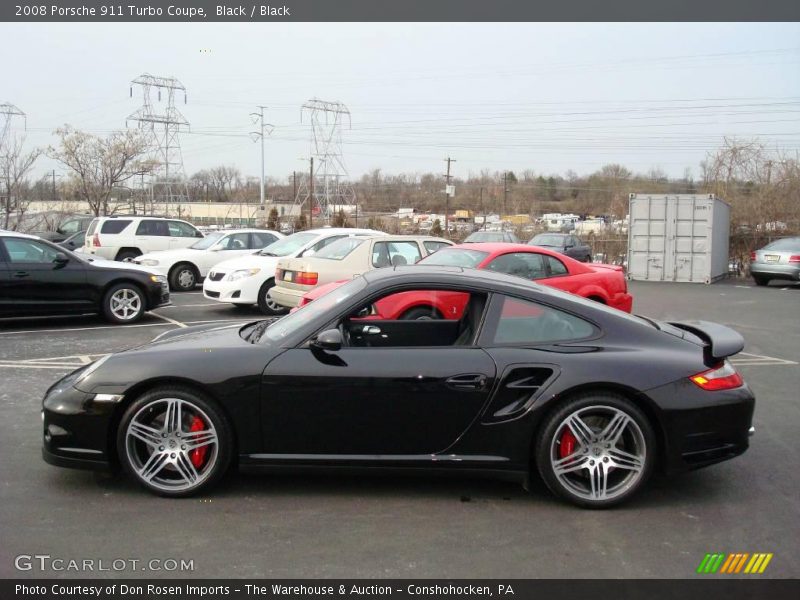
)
(546, 97)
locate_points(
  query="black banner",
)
(405, 589)
(110, 11)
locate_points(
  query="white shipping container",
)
(678, 237)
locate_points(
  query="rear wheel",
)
(421, 313)
(123, 303)
(183, 277)
(267, 305)
(174, 442)
(596, 450)
(760, 280)
(127, 255)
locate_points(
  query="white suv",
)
(247, 280)
(126, 237)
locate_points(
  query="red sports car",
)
(602, 283)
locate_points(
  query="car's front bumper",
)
(700, 428)
(287, 296)
(157, 295)
(776, 270)
(241, 291)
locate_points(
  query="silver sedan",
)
(777, 260)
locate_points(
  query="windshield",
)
(288, 245)
(340, 248)
(455, 257)
(547, 240)
(208, 241)
(312, 310)
(486, 236)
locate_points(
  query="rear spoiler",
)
(721, 341)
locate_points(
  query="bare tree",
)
(15, 166)
(99, 165)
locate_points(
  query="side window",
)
(395, 254)
(152, 227)
(260, 239)
(179, 229)
(557, 268)
(433, 246)
(92, 227)
(70, 227)
(525, 322)
(236, 241)
(114, 225)
(321, 244)
(575, 241)
(28, 251)
(528, 265)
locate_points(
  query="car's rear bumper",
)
(776, 271)
(700, 428)
(623, 302)
(286, 296)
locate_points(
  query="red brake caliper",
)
(198, 455)
(566, 444)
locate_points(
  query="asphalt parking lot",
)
(356, 526)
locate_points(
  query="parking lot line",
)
(173, 321)
(745, 358)
(21, 331)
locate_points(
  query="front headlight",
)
(148, 262)
(241, 274)
(158, 278)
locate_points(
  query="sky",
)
(515, 96)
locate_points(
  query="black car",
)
(521, 378)
(73, 242)
(67, 229)
(565, 243)
(39, 278)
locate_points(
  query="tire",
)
(760, 280)
(183, 277)
(151, 447)
(421, 313)
(124, 255)
(597, 473)
(267, 306)
(123, 303)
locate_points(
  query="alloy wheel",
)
(125, 304)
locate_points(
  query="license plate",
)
(287, 276)
(772, 257)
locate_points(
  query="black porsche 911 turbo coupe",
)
(516, 378)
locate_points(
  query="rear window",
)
(787, 244)
(92, 227)
(340, 248)
(455, 257)
(114, 225)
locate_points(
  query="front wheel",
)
(267, 305)
(123, 303)
(760, 280)
(174, 442)
(183, 277)
(596, 450)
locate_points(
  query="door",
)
(5, 300)
(152, 235)
(38, 284)
(181, 235)
(373, 400)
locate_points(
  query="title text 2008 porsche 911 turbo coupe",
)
(529, 379)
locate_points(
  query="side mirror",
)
(61, 259)
(215, 248)
(198, 234)
(330, 339)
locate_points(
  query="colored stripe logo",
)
(738, 562)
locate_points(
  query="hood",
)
(102, 263)
(195, 335)
(249, 261)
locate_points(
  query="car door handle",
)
(21, 274)
(371, 330)
(471, 381)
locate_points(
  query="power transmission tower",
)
(7, 111)
(164, 128)
(447, 197)
(328, 189)
(259, 118)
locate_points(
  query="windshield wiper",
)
(259, 328)
(262, 253)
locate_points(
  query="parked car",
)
(777, 260)
(186, 267)
(602, 283)
(346, 258)
(39, 278)
(246, 280)
(565, 243)
(491, 236)
(73, 242)
(126, 237)
(529, 380)
(68, 228)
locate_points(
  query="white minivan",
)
(126, 237)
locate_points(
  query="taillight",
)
(278, 274)
(722, 377)
(753, 256)
(96, 240)
(794, 258)
(304, 301)
(306, 278)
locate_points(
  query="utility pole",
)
(447, 197)
(483, 224)
(259, 117)
(505, 192)
(311, 195)
(55, 197)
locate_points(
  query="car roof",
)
(18, 234)
(505, 247)
(402, 238)
(335, 230)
